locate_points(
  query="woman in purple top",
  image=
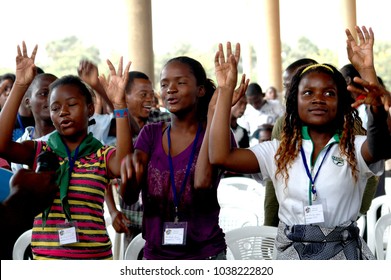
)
(181, 209)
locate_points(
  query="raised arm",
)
(89, 73)
(220, 151)
(115, 89)
(25, 73)
(360, 53)
(377, 146)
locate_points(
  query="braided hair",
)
(347, 116)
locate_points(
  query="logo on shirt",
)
(338, 161)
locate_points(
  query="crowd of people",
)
(320, 153)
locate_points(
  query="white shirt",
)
(340, 196)
(253, 118)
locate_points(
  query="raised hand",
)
(25, 67)
(240, 90)
(226, 67)
(373, 94)
(360, 54)
(116, 83)
(89, 73)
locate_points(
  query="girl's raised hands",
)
(25, 67)
(116, 83)
(360, 54)
(226, 67)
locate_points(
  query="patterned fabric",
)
(199, 208)
(158, 116)
(86, 197)
(313, 242)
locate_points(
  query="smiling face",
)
(179, 88)
(139, 98)
(69, 111)
(317, 99)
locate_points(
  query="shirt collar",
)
(306, 136)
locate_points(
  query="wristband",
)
(121, 113)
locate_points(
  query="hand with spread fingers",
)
(25, 67)
(115, 85)
(89, 73)
(226, 67)
(361, 53)
(240, 90)
(373, 94)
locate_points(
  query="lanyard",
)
(172, 175)
(71, 159)
(31, 134)
(20, 122)
(312, 180)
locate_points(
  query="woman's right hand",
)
(226, 66)
(25, 67)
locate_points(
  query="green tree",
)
(64, 56)
(382, 58)
(306, 48)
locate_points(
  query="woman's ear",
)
(201, 91)
(26, 102)
(91, 110)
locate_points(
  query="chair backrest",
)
(361, 223)
(251, 243)
(245, 195)
(21, 245)
(381, 226)
(231, 218)
(134, 248)
(383, 203)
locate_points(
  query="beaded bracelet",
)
(121, 113)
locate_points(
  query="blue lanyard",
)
(172, 175)
(20, 122)
(71, 159)
(31, 134)
(312, 180)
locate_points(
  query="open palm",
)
(116, 83)
(25, 67)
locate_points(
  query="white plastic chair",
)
(117, 239)
(361, 224)
(245, 195)
(251, 243)
(134, 248)
(21, 245)
(231, 218)
(383, 247)
(384, 204)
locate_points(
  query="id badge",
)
(174, 233)
(67, 233)
(313, 214)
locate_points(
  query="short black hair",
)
(254, 89)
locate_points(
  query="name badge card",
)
(313, 214)
(67, 234)
(174, 233)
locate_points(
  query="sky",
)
(202, 23)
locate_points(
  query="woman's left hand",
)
(116, 83)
